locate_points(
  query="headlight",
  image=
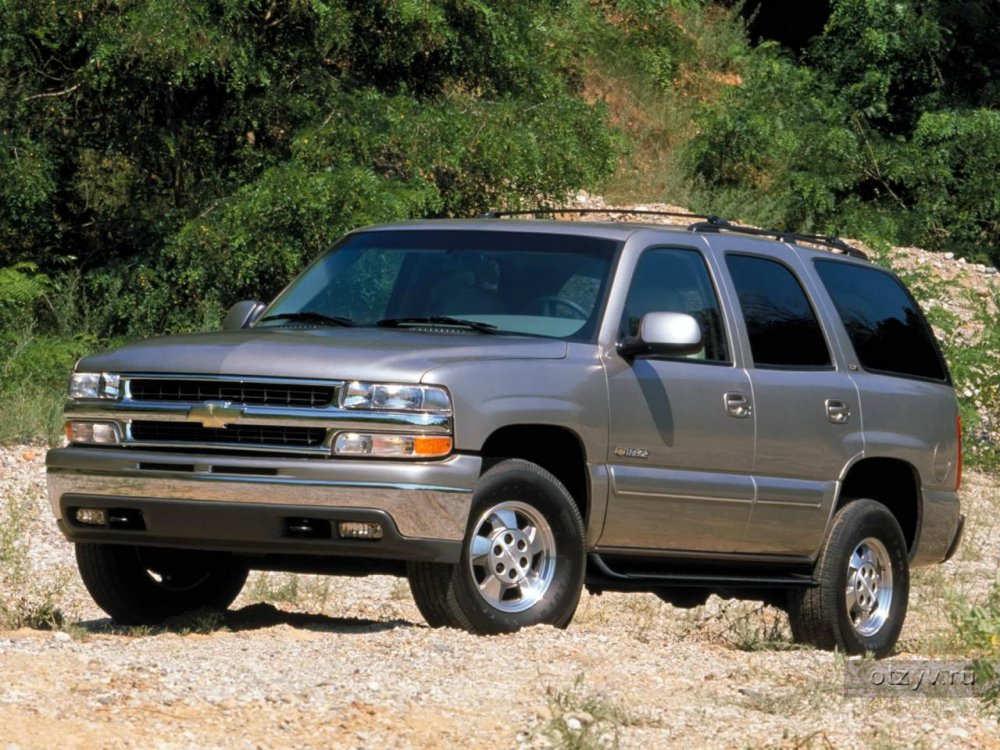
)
(104, 385)
(426, 398)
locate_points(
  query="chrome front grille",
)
(220, 414)
(293, 395)
(235, 435)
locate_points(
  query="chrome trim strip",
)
(335, 384)
(320, 450)
(670, 496)
(331, 418)
(791, 503)
(250, 479)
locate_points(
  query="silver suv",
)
(507, 411)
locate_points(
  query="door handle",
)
(837, 411)
(737, 405)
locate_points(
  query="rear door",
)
(909, 406)
(681, 428)
(806, 405)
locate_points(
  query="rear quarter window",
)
(886, 327)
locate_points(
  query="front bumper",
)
(244, 503)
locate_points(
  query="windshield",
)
(503, 282)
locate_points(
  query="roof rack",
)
(835, 244)
(709, 223)
(710, 219)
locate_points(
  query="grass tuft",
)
(33, 413)
(576, 719)
(740, 625)
(27, 599)
(289, 588)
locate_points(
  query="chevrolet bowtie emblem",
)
(214, 413)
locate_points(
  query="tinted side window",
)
(781, 324)
(886, 327)
(675, 280)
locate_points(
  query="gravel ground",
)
(348, 663)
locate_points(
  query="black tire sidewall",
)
(520, 481)
(864, 519)
(219, 579)
(119, 583)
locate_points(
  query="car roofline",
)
(621, 231)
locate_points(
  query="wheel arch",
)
(556, 449)
(891, 482)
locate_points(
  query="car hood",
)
(323, 353)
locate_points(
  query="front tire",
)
(522, 562)
(864, 585)
(146, 585)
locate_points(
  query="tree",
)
(205, 148)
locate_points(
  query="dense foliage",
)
(885, 126)
(184, 154)
(161, 159)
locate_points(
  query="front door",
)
(681, 446)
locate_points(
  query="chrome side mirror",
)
(668, 333)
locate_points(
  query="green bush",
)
(34, 371)
(883, 57)
(862, 135)
(976, 373)
(35, 363)
(27, 190)
(180, 156)
(140, 116)
(777, 150)
(977, 626)
(41, 360)
(32, 413)
(22, 288)
(950, 172)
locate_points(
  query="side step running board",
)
(600, 574)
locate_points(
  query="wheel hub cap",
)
(508, 557)
(869, 587)
(512, 556)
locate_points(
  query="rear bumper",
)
(956, 540)
(939, 521)
(244, 503)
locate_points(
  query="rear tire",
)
(146, 585)
(864, 584)
(522, 562)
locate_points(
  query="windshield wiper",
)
(310, 316)
(443, 320)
